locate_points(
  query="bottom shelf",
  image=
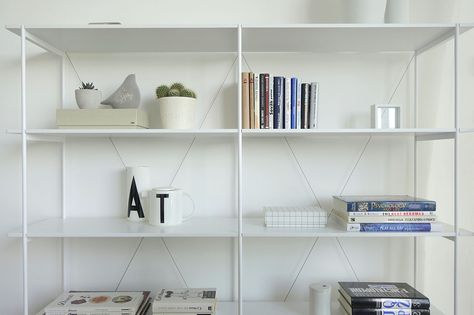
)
(281, 308)
(275, 308)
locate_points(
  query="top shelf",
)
(255, 38)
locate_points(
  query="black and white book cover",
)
(190, 300)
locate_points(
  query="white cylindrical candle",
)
(141, 174)
(319, 299)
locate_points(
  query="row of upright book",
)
(278, 102)
(393, 213)
(189, 301)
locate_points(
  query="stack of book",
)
(374, 298)
(277, 102)
(297, 217)
(185, 301)
(386, 214)
(99, 302)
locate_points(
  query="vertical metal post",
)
(415, 162)
(24, 152)
(239, 127)
(63, 178)
(456, 170)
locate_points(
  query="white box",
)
(101, 118)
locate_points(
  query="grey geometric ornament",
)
(126, 96)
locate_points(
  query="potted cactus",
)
(177, 105)
(87, 96)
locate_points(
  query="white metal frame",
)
(239, 133)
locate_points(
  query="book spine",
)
(388, 219)
(252, 99)
(256, 99)
(277, 102)
(245, 100)
(271, 111)
(305, 105)
(313, 105)
(390, 304)
(266, 99)
(299, 121)
(262, 100)
(391, 214)
(194, 308)
(294, 97)
(281, 101)
(287, 103)
(391, 206)
(397, 311)
(389, 227)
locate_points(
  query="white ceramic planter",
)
(177, 112)
(365, 11)
(86, 98)
(397, 11)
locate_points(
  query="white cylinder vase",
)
(365, 11)
(320, 299)
(137, 185)
(397, 11)
(177, 112)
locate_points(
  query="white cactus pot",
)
(177, 112)
(87, 99)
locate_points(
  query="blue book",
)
(394, 227)
(277, 102)
(382, 203)
(294, 97)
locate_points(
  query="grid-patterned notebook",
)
(298, 217)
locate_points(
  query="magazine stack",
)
(393, 213)
(192, 301)
(377, 298)
(99, 302)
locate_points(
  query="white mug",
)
(167, 206)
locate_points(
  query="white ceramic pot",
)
(397, 11)
(86, 98)
(177, 112)
(365, 11)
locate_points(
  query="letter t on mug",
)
(167, 206)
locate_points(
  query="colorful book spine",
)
(391, 206)
(266, 100)
(277, 101)
(245, 101)
(298, 106)
(425, 219)
(388, 304)
(262, 100)
(287, 103)
(271, 111)
(313, 105)
(390, 214)
(256, 99)
(396, 311)
(305, 96)
(294, 97)
(252, 99)
(394, 227)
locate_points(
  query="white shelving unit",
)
(228, 39)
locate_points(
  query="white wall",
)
(93, 167)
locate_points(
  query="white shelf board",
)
(139, 38)
(256, 228)
(432, 133)
(124, 133)
(466, 130)
(121, 227)
(282, 308)
(343, 37)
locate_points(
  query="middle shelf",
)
(196, 227)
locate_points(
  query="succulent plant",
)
(162, 91)
(87, 86)
(178, 86)
(176, 89)
(173, 92)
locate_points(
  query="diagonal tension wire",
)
(401, 79)
(74, 68)
(174, 262)
(129, 263)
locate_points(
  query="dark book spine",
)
(304, 105)
(262, 100)
(277, 102)
(365, 311)
(391, 206)
(267, 100)
(387, 304)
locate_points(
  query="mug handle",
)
(189, 216)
